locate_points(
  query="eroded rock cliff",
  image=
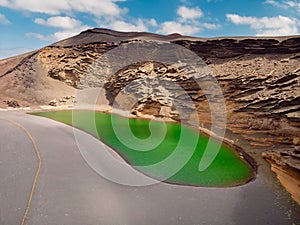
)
(259, 77)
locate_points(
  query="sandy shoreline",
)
(289, 179)
(107, 109)
(262, 201)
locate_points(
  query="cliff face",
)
(259, 77)
(229, 48)
(68, 64)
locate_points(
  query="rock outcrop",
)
(68, 64)
(12, 103)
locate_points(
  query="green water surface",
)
(227, 169)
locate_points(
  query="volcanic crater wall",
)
(260, 79)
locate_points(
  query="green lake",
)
(227, 169)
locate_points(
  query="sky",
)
(31, 24)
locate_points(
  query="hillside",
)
(259, 78)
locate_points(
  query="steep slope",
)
(24, 80)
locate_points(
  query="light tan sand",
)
(290, 180)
